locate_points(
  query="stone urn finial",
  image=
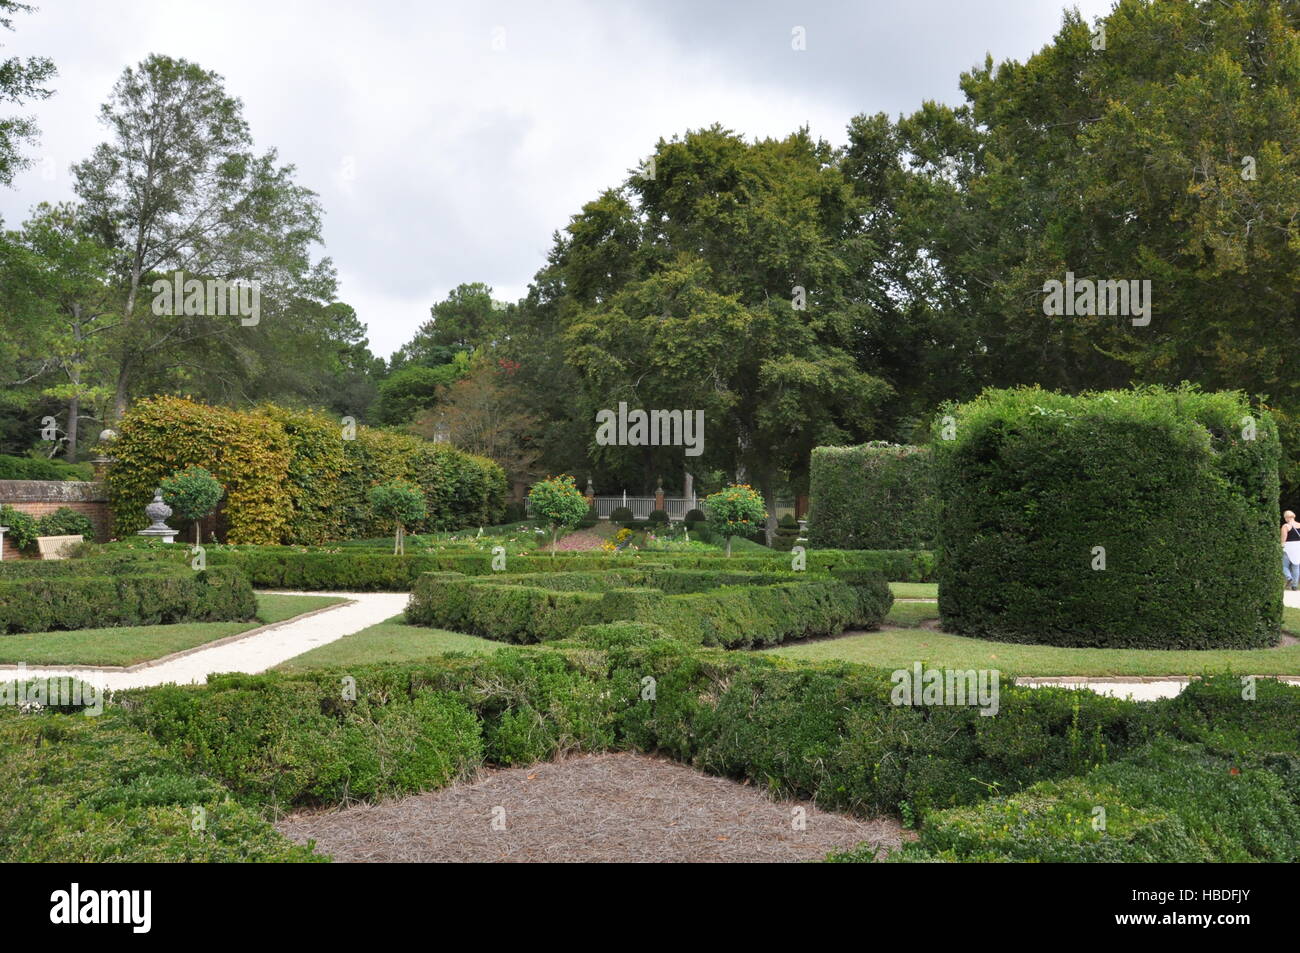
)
(103, 458)
(158, 511)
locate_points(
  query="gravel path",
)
(607, 808)
(252, 652)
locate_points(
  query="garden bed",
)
(612, 808)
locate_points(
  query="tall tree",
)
(20, 81)
(177, 188)
(68, 276)
(1160, 144)
(467, 318)
(716, 280)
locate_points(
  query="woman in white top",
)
(1291, 550)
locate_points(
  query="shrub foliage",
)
(1126, 519)
(294, 476)
(875, 496)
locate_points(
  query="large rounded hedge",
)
(1124, 519)
(875, 496)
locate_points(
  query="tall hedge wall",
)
(874, 496)
(1125, 519)
(290, 475)
(247, 453)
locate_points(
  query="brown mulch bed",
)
(594, 808)
(578, 541)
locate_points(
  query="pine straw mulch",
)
(613, 807)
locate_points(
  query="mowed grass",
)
(915, 590)
(272, 607)
(901, 647)
(130, 645)
(390, 641)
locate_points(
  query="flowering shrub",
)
(735, 510)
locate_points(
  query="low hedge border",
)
(703, 607)
(353, 571)
(89, 790)
(162, 595)
(825, 732)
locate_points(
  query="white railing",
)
(642, 506)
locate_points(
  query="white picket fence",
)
(642, 506)
(676, 506)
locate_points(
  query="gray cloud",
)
(448, 142)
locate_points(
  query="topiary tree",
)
(1144, 518)
(192, 494)
(400, 503)
(621, 514)
(787, 534)
(558, 502)
(658, 517)
(734, 511)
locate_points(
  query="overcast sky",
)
(448, 141)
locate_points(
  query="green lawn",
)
(912, 614)
(915, 590)
(130, 645)
(899, 648)
(277, 608)
(389, 641)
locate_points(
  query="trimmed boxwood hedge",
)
(1220, 783)
(733, 610)
(78, 597)
(90, 790)
(1204, 776)
(1178, 487)
(354, 570)
(875, 496)
(290, 740)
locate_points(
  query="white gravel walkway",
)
(271, 645)
(255, 652)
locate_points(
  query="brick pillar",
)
(800, 507)
(659, 495)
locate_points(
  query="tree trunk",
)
(74, 410)
(767, 488)
(555, 538)
(728, 545)
(198, 539)
(120, 395)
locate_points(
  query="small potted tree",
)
(192, 494)
(735, 509)
(400, 503)
(558, 502)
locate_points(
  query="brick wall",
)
(39, 497)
